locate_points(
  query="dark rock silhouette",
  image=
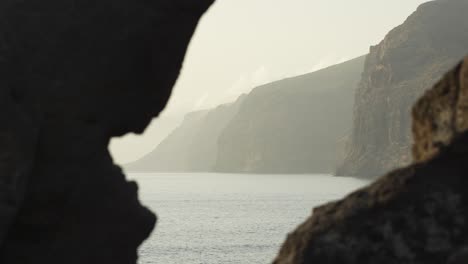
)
(460, 257)
(411, 59)
(441, 115)
(417, 214)
(73, 75)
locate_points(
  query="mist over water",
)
(230, 218)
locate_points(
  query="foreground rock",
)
(73, 74)
(441, 115)
(418, 214)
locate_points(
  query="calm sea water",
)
(224, 218)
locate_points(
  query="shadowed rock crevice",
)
(73, 75)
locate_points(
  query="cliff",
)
(192, 146)
(417, 214)
(277, 128)
(74, 74)
(410, 59)
(281, 127)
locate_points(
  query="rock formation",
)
(414, 215)
(441, 115)
(411, 58)
(73, 75)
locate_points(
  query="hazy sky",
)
(240, 44)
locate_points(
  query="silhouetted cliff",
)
(410, 59)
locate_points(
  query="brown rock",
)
(441, 115)
(462, 104)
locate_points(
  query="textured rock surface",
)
(411, 59)
(73, 74)
(441, 115)
(418, 214)
(18, 136)
(460, 257)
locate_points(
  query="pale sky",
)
(241, 44)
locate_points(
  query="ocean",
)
(229, 218)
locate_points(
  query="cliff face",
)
(409, 60)
(413, 215)
(203, 149)
(277, 128)
(73, 74)
(192, 146)
(281, 127)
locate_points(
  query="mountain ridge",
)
(177, 153)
